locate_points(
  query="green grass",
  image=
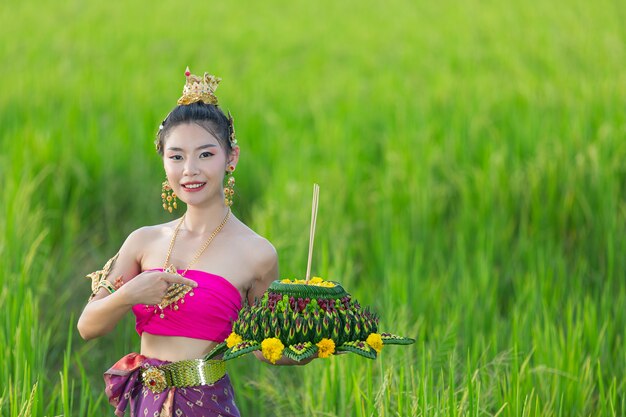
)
(471, 162)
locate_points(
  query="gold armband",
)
(99, 278)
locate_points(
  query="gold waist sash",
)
(182, 374)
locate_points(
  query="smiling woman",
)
(195, 162)
(182, 314)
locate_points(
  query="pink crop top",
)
(207, 315)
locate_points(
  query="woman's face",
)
(195, 164)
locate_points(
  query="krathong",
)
(299, 318)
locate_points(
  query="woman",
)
(184, 280)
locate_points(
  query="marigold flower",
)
(326, 348)
(375, 342)
(233, 339)
(272, 349)
(316, 281)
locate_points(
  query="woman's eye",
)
(205, 154)
(176, 157)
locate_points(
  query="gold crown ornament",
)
(199, 89)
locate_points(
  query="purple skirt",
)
(124, 388)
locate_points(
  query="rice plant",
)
(471, 161)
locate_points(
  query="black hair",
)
(208, 116)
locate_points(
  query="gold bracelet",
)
(106, 285)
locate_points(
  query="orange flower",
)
(315, 281)
(272, 349)
(326, 348)
(375, 342)
(233, 339)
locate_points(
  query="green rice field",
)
(472, 163)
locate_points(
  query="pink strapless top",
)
(207, 315)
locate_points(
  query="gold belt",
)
(182, 374)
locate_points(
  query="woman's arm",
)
(267, 271)
(268, 267)
(105, 310)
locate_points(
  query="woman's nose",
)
(190, 167)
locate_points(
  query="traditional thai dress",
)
(207, 313)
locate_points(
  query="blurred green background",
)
(471, 162)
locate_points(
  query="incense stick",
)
(316, 193)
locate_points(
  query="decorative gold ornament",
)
(99, 278)
(168, 196)
(231, 137)
(229, 189)
(199, 89)
(176, 292)
(154, 379)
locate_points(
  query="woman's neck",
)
(203, 220)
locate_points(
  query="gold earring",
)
(168, 197)
(229, 189)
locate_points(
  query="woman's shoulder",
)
(145, 235)
(149, 233)
(258, 248)
(260, 258)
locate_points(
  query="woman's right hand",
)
(105, 310)
(149, 287)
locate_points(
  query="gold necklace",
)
(176, 292)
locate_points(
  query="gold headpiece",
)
(199, 89)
